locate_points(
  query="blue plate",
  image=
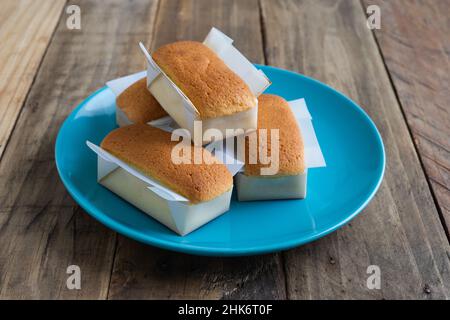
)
(351, 144)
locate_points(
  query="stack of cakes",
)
(203, 87)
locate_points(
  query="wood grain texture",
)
(400, 230)
(414, 39)
(143, 272)
(42, 230)
(26, 28)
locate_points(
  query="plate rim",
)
(209, 250)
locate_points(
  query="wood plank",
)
(26, 28)
(142, 272)
(415, 45)
(42, 230)
(400, 230)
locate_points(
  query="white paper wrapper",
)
(120, 84)
(222, 45)
(250, 188)
(183, 111)
(161, 203)
(313, 154)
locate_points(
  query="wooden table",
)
(399, 74)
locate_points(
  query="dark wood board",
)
(42, 230)
(398, 74)
(415, 44)
(400, 230)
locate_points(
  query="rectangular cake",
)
(137, 105)
(209, 84)
(136, 163)
(289, 180)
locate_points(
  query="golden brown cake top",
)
(213, 88)
(138, 103)
(274, 113)
(149, 149)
